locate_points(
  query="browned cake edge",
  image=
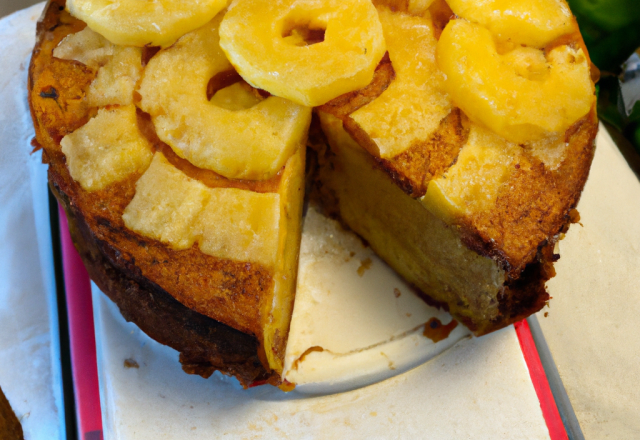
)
(10, 428)
(205, 345)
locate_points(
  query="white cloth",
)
(29, 342)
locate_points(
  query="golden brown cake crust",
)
(535, 203)
(10, 428)
(205, 345)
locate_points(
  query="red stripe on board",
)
(81, 335)
(540, 383)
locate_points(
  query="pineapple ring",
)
(243, 143)
(533, 23)
(521, 95)
(265, 42)
(143, 22)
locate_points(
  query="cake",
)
(454, 139)
(10, 428)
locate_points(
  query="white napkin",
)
(29, 342)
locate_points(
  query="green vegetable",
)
(611, 31)
(632, 131)
(608, 15)
(610, 28)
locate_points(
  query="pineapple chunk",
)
(225, 222)
(144, 23)
(119, 68)
(245, 143)
(520, 95)
(530, 22)
(472, 184)
(240, 225)
(107, 149)
(235, 97)
(419, 7)
(117, 79)
(411, 109)
(413, 7)
(266, 43)
(166, 205)
(86, 47)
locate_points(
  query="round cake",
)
(454, 137)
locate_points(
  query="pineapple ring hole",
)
(221, 81)
(303, 33)
(229, 91)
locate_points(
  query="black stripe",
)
(63, 324)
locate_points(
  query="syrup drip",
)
(435, 331)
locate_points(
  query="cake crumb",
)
(364, 266)
(436, 331)
(396, 292)
(546, 314)
(130, 363)
(574, 217)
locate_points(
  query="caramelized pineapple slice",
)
(166, 205)
(532, 23)
(107, 149)
(226, 223)
(471, 185)
(412, 107)
(521, 95)
(119, 68)
(142, 23)
(237, 142)
(307, 51)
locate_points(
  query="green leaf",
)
(610, 51)
(609, 102)
(608, 15)
(636, 138)
(634, 116)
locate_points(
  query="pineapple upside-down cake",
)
(453, 136)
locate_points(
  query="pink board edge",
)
(550, 411)
(81, 337)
